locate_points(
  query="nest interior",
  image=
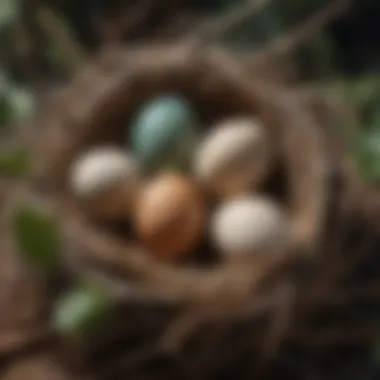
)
(96, 108)
(98, 105)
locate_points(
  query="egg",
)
(105, 180)
(164, 133)
(250, 226)
(170, 216)
(232, 157)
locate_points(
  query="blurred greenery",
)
(324, 57)
(83, 311)
(9, 9)
(14, 162)
(36, 236)
(375, 353)
(16, 103)
(368, 154)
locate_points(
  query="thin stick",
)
(57, 31)
(218, 26)
(344, 336)
(118, 27)
(295, 37)
(25, 50)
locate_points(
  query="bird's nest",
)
(211, 321)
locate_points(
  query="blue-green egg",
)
(165, 132)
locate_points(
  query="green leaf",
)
(368, 155)
(22, 103)
(9, 9)
(36, 236)
(375, 353)
(3, 81)
(82, 312)
(14, 163)
(367, 88)
(16, 103)
(5, 111)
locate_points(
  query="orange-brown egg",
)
(170, 216)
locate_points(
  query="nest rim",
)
(128, 77)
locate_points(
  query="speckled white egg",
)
(233, 157)
(250, 225)
(105, 179)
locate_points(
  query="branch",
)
(57, 31)
(218, 26)
(343, 336)
(295, 37)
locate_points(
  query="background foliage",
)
(42, 42)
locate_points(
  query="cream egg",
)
(105, 180)
(250, 225)
(232, 157)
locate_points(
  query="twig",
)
(130, 360)
(343, 336)
(354, 293)
(113, 30)
(218, 26)
(289, 41)
(21, 339)
(57, 31)
(25, 50)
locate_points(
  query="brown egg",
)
(170, 216)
